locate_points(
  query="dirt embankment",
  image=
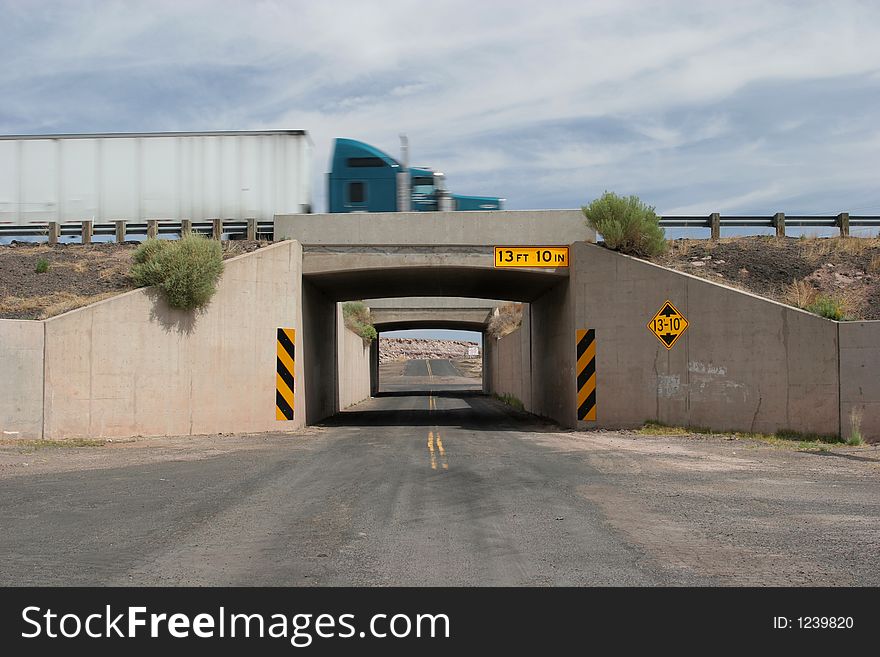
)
(789, 269)
(783, 269)
(394, 349)
(76, 275)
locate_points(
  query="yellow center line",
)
(431, 449)
(442, 452)
(432, 406)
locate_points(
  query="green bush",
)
(148, 250)
(827, 306)
(186, 270)
(356, 315)
(626, 224)
(42, 266)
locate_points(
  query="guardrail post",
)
(120, 231)
(54, 232)
(843, 224)
(152, 229)
(186, 227)
(715, 225)
(87, 230)
(779, 224)
(251, 228)
(217, 230)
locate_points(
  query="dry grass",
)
(799, 294)
(816, 248)
(505, 320)
(874, 265)
(782, 439)
(50, 305)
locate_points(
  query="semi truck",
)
(364, 179)
(200, 176)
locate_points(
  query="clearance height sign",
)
(531, 256)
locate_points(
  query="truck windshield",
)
(423, 185)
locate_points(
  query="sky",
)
(697, 107)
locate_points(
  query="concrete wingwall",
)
(131, 365)
(534, 363)
(21, 378)
(745, 363)
(860, 379)
(506, 359)
(353, 364)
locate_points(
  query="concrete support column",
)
(120, 231)
(488, 346)
(87, 231)
(319, 341)
(843, 224)
(779, 224)
(374, 366)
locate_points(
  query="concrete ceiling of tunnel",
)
(477, 282)
(412, 325)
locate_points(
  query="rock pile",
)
(392, 349)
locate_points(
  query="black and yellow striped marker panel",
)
(284, 374)
(586, 374)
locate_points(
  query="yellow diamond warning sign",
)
(668, 324)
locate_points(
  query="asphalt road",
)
(434, 484)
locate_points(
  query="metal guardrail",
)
(253, 229)
(715, 222)
(249, 228)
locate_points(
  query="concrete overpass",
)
(744, 363)
(460, 313)
(448, 254)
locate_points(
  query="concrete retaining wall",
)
(744, 363)
(21, 379)
(860, 378)
(509, 365)
(354, 365)
(552, 340)
(130, 365)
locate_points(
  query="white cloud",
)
(541, 106)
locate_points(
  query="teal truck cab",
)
(364, 179)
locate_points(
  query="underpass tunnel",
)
(455, 299)
(421, 356)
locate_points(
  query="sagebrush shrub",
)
(185, 270)
(356, 315)
(828, 306)
(627, 224)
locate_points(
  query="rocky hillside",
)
(392, 349)
(796, 271)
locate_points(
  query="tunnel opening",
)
(429, 361)
(413, 291)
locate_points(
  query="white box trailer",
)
(136, 177)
